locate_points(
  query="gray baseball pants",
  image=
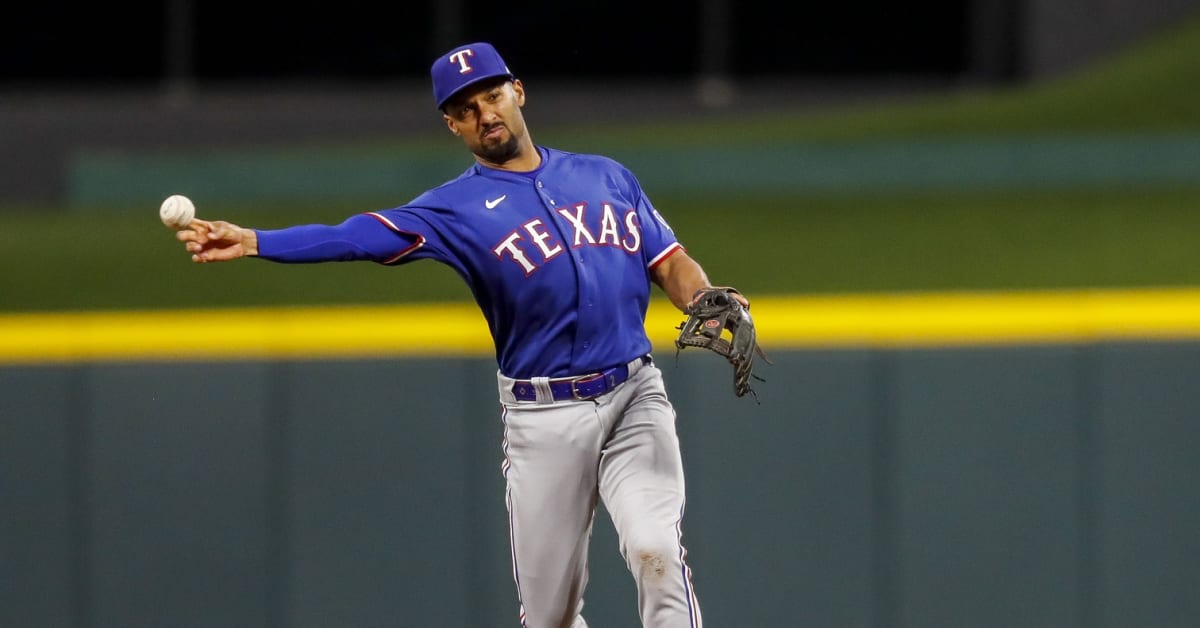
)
(560, 457)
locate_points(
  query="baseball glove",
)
(711, 312)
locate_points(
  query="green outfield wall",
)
(885, 480)
(1032, 161)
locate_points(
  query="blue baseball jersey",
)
(558, 259)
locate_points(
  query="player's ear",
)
(450, 124)
(519, 90)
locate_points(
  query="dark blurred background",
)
(212, 43)
(150, 43)
(181, 73)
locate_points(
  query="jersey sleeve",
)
(360, 237)
(427, 223)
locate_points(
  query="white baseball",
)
(177, 211)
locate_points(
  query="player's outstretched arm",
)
(217, 241)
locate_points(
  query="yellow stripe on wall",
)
(907, 320)
(979, 318)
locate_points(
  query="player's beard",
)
(500, 152)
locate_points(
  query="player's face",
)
(488, 118)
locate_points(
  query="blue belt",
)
(581, 388)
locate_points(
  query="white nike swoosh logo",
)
(492, 204)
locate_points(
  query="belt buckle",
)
(585, 378)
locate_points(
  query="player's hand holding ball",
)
(207, 241)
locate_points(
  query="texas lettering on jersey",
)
(531, 245)
(546, 254)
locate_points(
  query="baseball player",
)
(559, 250)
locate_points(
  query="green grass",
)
(964, 241)
(814, 244)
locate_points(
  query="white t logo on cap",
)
(460, 58)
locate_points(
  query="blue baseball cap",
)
(463, 66)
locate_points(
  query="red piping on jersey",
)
(671, 250)
(420, 239)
